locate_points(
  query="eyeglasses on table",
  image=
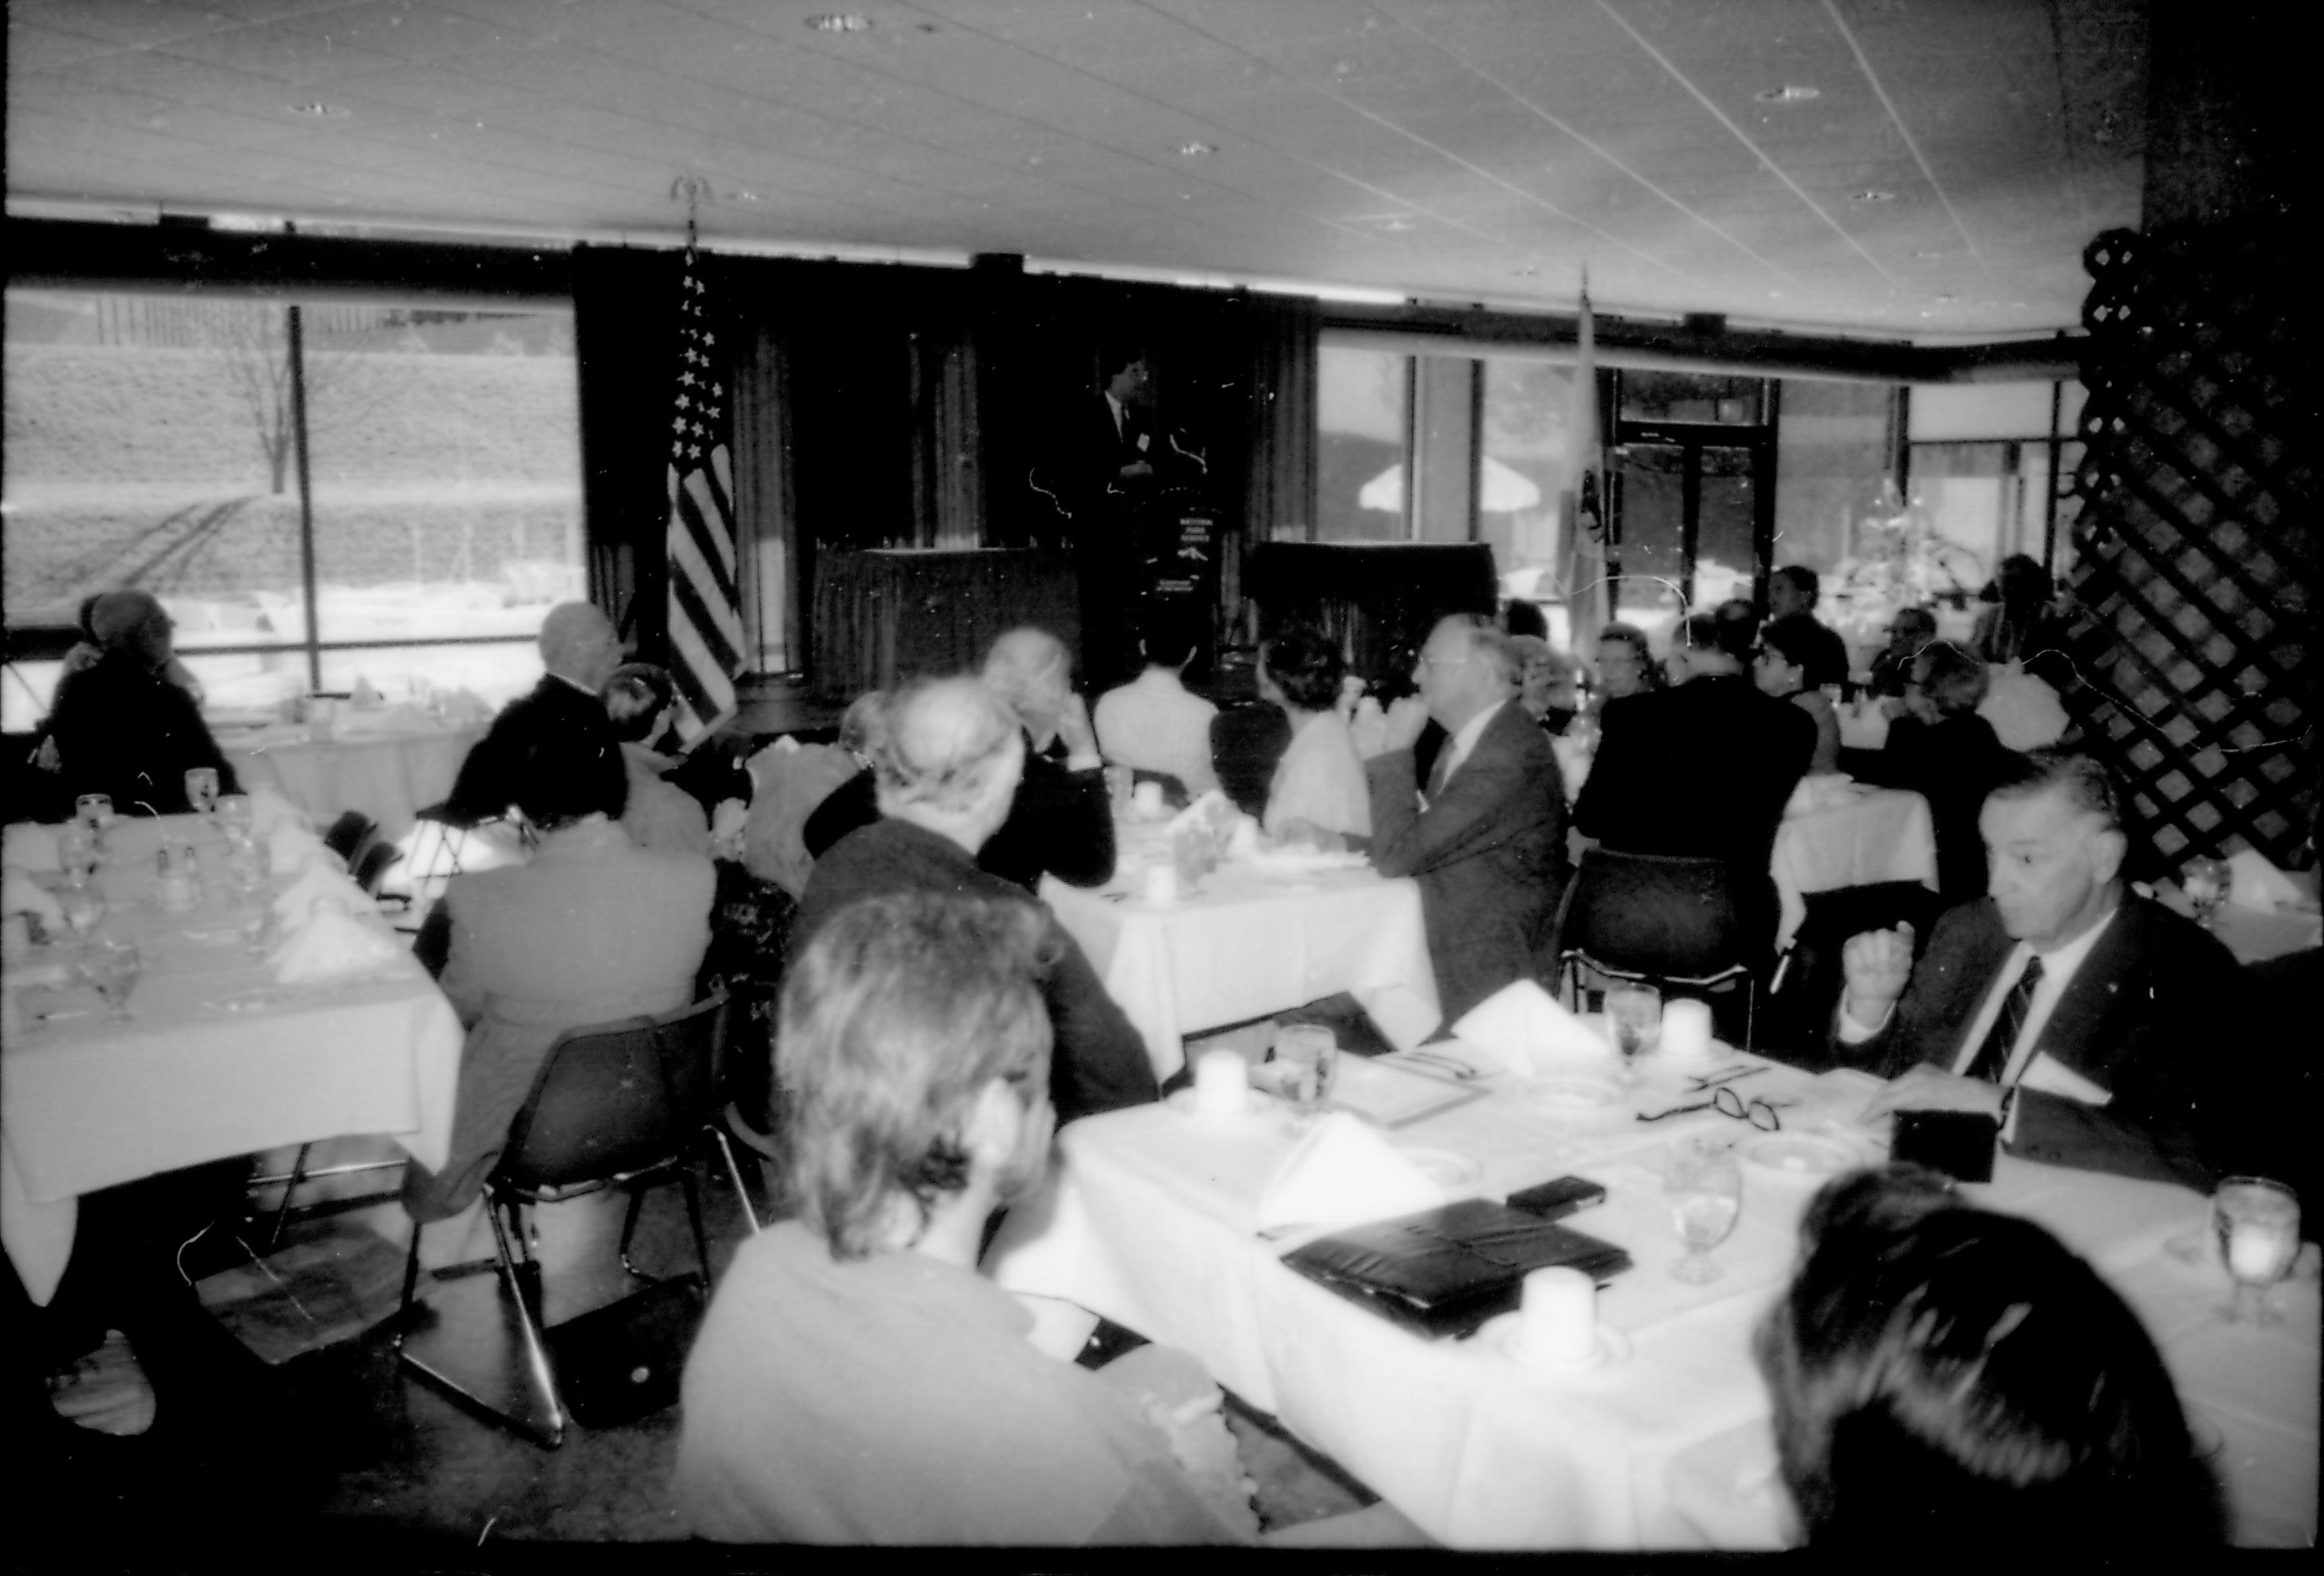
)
(1760, 1113)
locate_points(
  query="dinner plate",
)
(1576, 1095)
(1443, 1167)
(1801, 1155)
(1258, 1103)
(1500, 1335)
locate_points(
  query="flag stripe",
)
(689, 530)
(706, 640)
(702, 626)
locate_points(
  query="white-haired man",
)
(1061, 821)
(1487, 842)
(122, 725)
(580, 651)
(948, 758)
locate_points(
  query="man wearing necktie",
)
(1487, 842)
(2089, 1021)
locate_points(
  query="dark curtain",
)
(626, 339)
(1279, 426)
(766, 502)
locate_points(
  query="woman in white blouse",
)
(1318, 794)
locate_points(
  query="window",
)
(151, 442)
(1363, 404)
(1525, 473)
(1991, 467)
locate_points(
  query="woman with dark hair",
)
(1943, 751)
(2019, 622)
(1945, 1378)
(1626, 664)
(1793, 663)
(1318, 794)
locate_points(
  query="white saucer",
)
(1258, 1103)
(1801, 1155)
(1500, 1334)
(1443, 1167)
(1575, 1095)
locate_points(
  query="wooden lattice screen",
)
(2197, 566)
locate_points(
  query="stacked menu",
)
(1445, 1271)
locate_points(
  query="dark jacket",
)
(492, 776)
(1954, 765)
(2149, 1017)
(1490, 853)
(124, 730)
(1061, 821)
(1098, 1064)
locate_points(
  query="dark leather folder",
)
(1445, 1271)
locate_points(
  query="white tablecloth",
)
(387, 776)
(1854, 838)
(1249, 943)
(1150, 1221)
(88, 1101)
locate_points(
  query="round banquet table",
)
(1150, 1220)
(389, 777)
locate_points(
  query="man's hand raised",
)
(1875, 965)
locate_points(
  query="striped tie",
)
(1993, 1056)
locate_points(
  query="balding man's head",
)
(132, 621)
(577, 643)
(1031, 670)
(949, 755)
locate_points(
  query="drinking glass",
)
(76, 853)
(256, 923)
(2207, 883)
(1704, 1186)
(94, 812)
(1307, 1052)
(112, 967)
(234, 813)
(202, 790)
(84, 907)
(2258, 1226)
(1634, 1020)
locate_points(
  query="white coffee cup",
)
(1557, 1320)
(1686, 1031)
(1145, 798)
(1160, 883)
(1221, 1083)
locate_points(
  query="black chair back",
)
(348, 835)
(1665, 915)
(613, 1101)
(371, 865)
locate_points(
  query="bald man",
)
(122, 727)
(580, 651)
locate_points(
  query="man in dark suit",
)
(950, 753)
(580, 651)
(122, 726)
(1488, 842)
(1702, 769)
(2091, 1022)
(1795, 589)
(1108, 470)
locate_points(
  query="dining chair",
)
(629, 1104)
(1661, 919)
(348, 835)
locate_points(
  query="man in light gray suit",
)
(1487, 840)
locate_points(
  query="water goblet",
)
(112, 966)
(76, 853)
(202, 790)
(255, 921)
(1634, 1020)
(84, 909)
(2207, 883)
(234, 815)
(2258, 1227)
(1704, 1186)
(1308, 1053)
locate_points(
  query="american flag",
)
(705, 620)
(1590, 602)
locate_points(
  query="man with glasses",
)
(1487, 839)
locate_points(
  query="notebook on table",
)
(1444, 1272)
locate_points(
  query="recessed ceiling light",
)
(1871, 196)
(1527, 271)
(742, 196)
(330, 111)
(840, 21)
(1195, 150)
(1397, 224)
(1790, 93)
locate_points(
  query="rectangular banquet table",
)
(1851, 836)
(1149, 1221)
(388, 775)
(217, 1061)
(1250, 941)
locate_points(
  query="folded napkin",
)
(365, 697)
(1213, 810)
(333, 945)
(1527, 1030)
(1344, 1174)
(321, 887)
(29, 846)
(20, 894)
(2257, 884)
(2024, 711)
